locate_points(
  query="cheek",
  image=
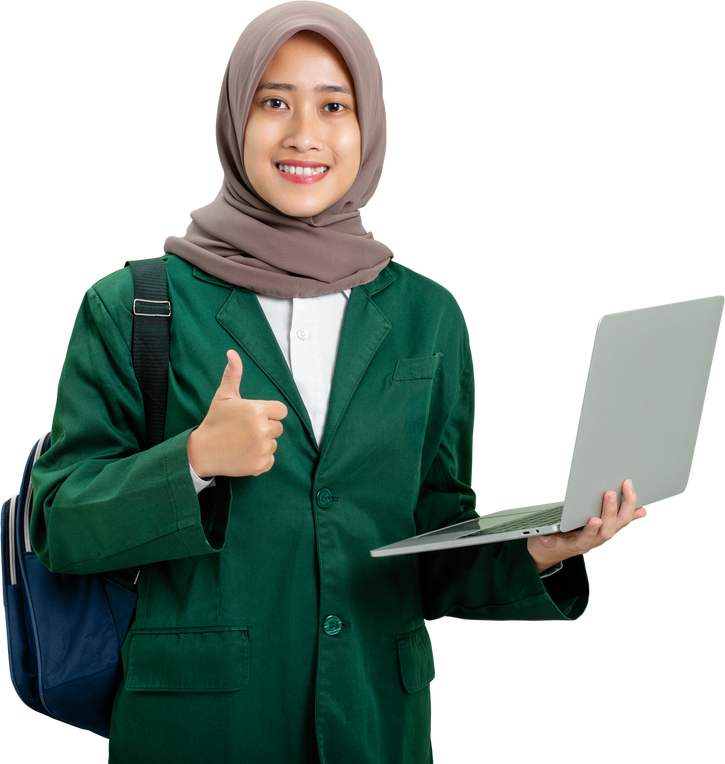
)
(253, 149)
(350, 151)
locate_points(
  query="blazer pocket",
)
(415, 655)
(187, 660)
(407, 369)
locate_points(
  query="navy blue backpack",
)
(65, 631)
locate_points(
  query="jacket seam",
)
(436, 458)
(456, 604)
(174, 502)
(120, 551)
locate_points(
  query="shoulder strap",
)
(150, 355)
(150, 344)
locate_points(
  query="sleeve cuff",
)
(550, 571)
(200, 484)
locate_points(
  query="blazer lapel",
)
(364, 329)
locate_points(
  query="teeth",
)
(296, 170)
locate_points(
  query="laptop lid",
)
(642, 404)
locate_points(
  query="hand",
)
(237, 437)
(550, 550)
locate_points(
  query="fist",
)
(238, 437)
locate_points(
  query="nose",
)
(305, 131)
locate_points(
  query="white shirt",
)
(308, 333)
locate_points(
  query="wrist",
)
(195, 454)
(542, 566)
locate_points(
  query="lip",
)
(298, 163)
(305, 180)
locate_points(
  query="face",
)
(302, 139)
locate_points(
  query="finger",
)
(629, 505)
(639, 513)
(275, 429)
(276, 410)
(588, 537)
(232, 376)
(609, 515)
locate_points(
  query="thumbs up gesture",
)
(237, 437)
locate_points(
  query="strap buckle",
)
(154, 308)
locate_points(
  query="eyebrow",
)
(291, 88)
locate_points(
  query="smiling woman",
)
(341, 422)
(295, 136)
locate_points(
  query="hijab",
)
(246, 242)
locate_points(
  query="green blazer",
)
(264, 630)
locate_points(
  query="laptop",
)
(661, 403)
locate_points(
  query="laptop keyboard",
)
(545, 517)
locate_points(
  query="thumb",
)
(232, 376)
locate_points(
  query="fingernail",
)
(629, 484)
(612, 497)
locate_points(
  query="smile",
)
(296, 170)
(304, 179)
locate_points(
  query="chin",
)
(301, 210)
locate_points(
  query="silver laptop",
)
(671, 347)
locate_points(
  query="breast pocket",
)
(416, 369)
(415, 657)
(187, 660)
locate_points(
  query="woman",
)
(264, 631)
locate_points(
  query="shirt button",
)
(332, 625)
(303, 334)
(324, 498)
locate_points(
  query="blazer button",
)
(324, 498)
(332, 625)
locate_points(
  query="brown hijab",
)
(239, 237)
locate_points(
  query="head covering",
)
(239, 237)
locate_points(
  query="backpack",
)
(65, 631)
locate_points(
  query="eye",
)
(273, 99)
(334, 107)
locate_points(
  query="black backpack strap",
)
(150, 354)
(150, 346)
